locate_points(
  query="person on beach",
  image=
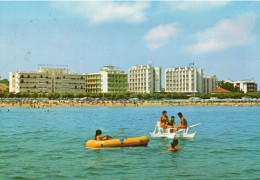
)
(171, 123)
(163, 120)
(183, 122)
(174, 146)
(99, 137)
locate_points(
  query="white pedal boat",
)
(180, 133)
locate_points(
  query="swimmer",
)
(99, 137)
(174, 146)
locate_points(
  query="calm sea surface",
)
(37, 144)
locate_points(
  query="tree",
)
(2, 94)
(26, 95)
(53, 95)
(228, 86)
(79, 95)
(18, 95)
(168, 95)
(147, 96)
(5, 81)
(35, 95)
(11, 95)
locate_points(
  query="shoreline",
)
(40, 105)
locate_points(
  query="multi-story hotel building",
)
(108, 80)
(47, 80)
(210, 83)
(144, 79)
(93, 83)
(246, 86)
(184, 80)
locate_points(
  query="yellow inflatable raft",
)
(124, 142)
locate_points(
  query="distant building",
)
(47, 80)
(184, 80)
(246, 86)
(108, 80)
(145, 79)
(210, 83)
(220, 90)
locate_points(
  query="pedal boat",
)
(180, 133)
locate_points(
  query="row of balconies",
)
(88, 88)
(32, 82)
(93, 83)
(177, 77)
(82, 83)
(140, 76)
(175, 83)
(34, 77)
(178, 82)
(179, 86)
(74, 88)
(26, 87)
(117, 77)
(115, 83)
(93, 79)
(33, 85)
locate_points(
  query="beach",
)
(62, 104)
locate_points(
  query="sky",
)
(220, 37)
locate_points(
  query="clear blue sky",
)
(221, 37)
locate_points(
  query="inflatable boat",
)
(123, 142)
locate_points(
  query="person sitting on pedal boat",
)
(171, 124)
(183, 122)
(163, 120)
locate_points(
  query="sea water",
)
(49, 143)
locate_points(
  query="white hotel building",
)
(144, 79)
(47, 80)
(184, 80)
(247, 86)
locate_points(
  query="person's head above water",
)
(164, 112)
(172, 118)
(98, 132)
(180, 114)
(174, 143)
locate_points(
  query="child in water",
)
(99, 137)
(174, 146)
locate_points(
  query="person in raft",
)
(171, 123)
(174, 146)
(183, 122)
(163, 120)
(99, 137)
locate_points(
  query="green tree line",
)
(127, 95)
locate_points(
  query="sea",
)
(49, 143)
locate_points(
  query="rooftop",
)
(2, 89)
(220, 90)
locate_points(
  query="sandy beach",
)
(62, 104)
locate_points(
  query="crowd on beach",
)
(58, 103)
